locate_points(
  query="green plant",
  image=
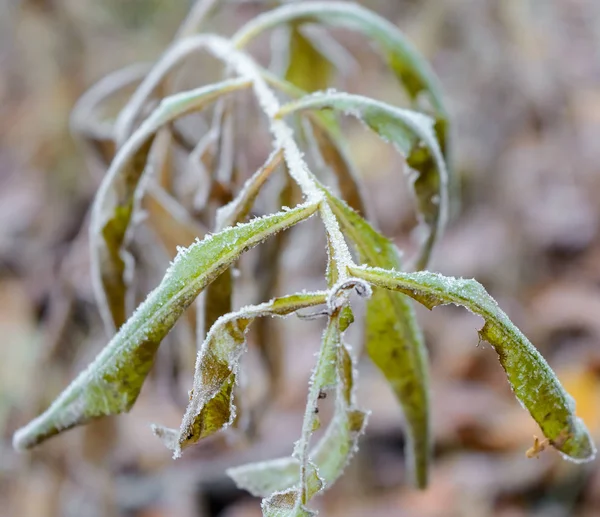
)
(372, 268)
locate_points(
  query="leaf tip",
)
(169, 437)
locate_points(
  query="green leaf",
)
(411, 69)
(529, 375)
(394, 340)
(113, 381)
(211, 407)
(328, 137)
(115, 202)
(218, 295)
(412, 134)
(308, 68)
(333, 451)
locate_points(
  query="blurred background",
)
(522, 81)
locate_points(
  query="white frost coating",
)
(527, 371)
(421, 125)
(351, 16)
(169, 109)
(222, 49)
(284, 138)
(230, 213)
(248, 477)
(182, 251)
(170, 60)
(203, 394)
(340, 292)
(69, 407)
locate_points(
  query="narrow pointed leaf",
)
(211, 408)
(115, 202)
(529, 375)
(328, 138)
(308, 68)
(411, 69)
(412, 134)
(113, 381)
(331, 453)
(394, 341)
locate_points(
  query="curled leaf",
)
(411, 69)
(412, 133)
(112, 382)
(211, 407)
(394, 340)
(85, 119)
(529, 375)
(114, 204)
(331, 147)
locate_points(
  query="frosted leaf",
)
(404, 129)
(238, 209)
(394, 340)
(114, 203)
(211, 405)
(84, 120)
(411, 69)
(333, 451)
(112, 382)
(529, 375)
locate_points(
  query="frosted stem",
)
(283, 135)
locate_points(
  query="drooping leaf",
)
(114, 204)
(307, 68)
(238, 209)
(90, 126)
(113, 381)
(393, 339)
(412, 133)
(218, 295)
(529, 375)
(331, 453)
(408, 65)
(211, 408)
(328, 138)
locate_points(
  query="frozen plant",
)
(138, 143)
